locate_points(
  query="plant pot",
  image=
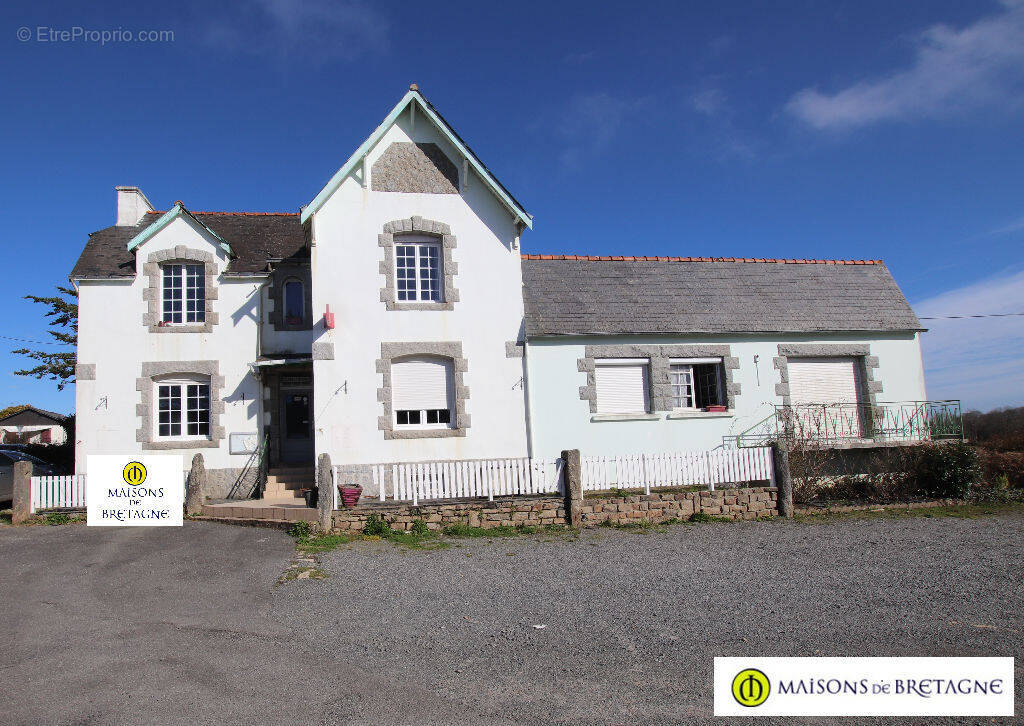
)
(310, 495)
(350, 495)
(716, 409)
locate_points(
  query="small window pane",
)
(294, 303)
(681, 380)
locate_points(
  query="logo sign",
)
(751, 687)
(135, 491)
(864, 687)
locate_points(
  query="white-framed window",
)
(696, 383)
(183, 409)
(418, 270)
(184, 293)
(294, 299)
(421, 392)
(623, 385)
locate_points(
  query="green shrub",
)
(375, 525)
(57, 518)
(300, 530)
(419, 528)
(947, 470)
(700, 516)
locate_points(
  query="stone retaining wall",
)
(527, 511)
(743, 503)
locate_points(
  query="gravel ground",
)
(186, 626)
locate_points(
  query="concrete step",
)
(273, 491)
(291, 482)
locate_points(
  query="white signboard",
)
(243, 443)
(135, 491)
(864, 686)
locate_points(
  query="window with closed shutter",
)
(421, 391)
(823, 380)
(622, 387)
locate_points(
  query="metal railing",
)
(832, 424)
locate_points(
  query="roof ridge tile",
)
(652, 258)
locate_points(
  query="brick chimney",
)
(132, 206)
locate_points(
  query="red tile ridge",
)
(659, 258)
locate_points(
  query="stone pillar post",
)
(325, 493)
(196, 486)
(783, 478)
(573, 487)
(22, 504)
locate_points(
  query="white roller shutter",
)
(421, 383)
(823, 380)
(622, 388)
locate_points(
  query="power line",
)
(964, 317)
(30, 340)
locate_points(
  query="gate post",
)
(21, 507)
(325, 493)
(196, 486)
(573, 488)
(783, 478)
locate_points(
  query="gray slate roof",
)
(581, 296)
(254, 238)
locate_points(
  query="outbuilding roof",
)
(255, 238)
(580, 295)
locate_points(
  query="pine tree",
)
(63, 314)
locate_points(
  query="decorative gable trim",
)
(169, 216)
(414, 96)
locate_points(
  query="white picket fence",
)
(465, 479)
(683, 468)
(57, 492)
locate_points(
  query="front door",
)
(297, 425)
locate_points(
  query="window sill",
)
(625, 417)
(699, 414)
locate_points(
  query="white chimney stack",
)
(132, 206)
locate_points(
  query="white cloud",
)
(978, 360)
(1015, 226)
(954, 70)
(590, 122)
(709, 102)
(312, 30)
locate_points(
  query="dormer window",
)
(184, 293)
(418, 270)
(294, 303)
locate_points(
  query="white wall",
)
(561, 420)
(489, 313)
(112, 336)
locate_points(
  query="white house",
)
(31, 425)
(394, 319)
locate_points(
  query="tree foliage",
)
(56, 365)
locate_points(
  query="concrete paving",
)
(169, 626)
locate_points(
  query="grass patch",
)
(302, 573)
(315, 543)
(6, 516)
(961, 511)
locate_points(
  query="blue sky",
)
(848, 129)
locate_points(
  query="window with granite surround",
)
(418, 266)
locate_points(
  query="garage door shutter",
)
(421, 383)
(622, 388)
(823, 380)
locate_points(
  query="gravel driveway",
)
(187, 626)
